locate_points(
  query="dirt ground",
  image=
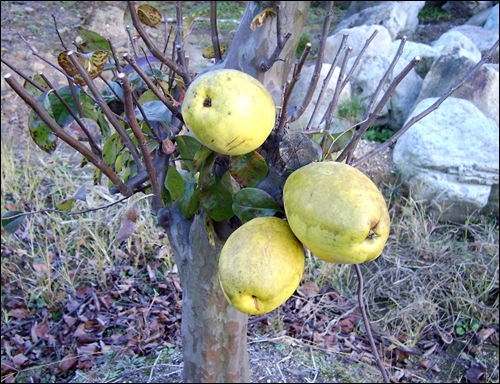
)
(273, 359)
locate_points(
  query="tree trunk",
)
(214, 334)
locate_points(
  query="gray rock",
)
(481, 89)
(300, 91)
(381, 44)
(492, 21)
(450, 158)
(427, 55)
(482, 38)
(457, 41)
(411, 8)
(480, 18)
(389, 14)
(467, 8)
(366, 78)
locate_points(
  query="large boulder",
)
(458, 43)
(482, 38)
(482, 89)
(399, 17)
(467, 8)
(492, 21)
(450, 159)
(381, 44)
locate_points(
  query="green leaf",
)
(188, 146)
(249, 169)
(174, 183)
(110, 93)
(204, 167)
(250, 203)
(216, 199)
(41, 134)
(66, 204)
(155, 111)
(111, 148)
(32, 89)
(92, 41)
(190, 200)
(11, 224)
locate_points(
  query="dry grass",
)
(432, 278)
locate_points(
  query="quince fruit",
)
(337, 212)
(261, 265)
(229, 111)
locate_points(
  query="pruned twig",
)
(327, 80)
(290, 86)
(66, 137)
(143, 145)
(328, 116)
(297, 111)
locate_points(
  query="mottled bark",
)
(214, 334)
(250, 48)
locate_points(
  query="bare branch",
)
(115, 58)
(154, 50)
(179, 43)
(215, 34)
(289, 88)
(153, 87)
(93, 144)
(367, 324)
(338, 89)
(424, 113)
(143, 145)
(132, 41)
(107, 111)
(58, 34)
(266, 65)
(297, 111)
(66, 137)
(69, 213)
(23, 75)
(371, 115)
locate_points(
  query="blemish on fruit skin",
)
(255, 303)
(207, 102)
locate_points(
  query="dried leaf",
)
(261, 18)
(19, 360)
(19, 313)
(209, 52)
(308, 289)
(475, 372)
(67, 363)
(128, 224)
(149, 15)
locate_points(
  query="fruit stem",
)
(367, 324)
